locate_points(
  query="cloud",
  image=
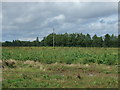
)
(23, 19)
(59, 17)
(0, 21)
(27, 39)
(26, 21)
(53, 21)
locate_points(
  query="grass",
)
(62, 67)
(59, 76)
(66, 55)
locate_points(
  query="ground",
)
(59, 67)
(31, 74)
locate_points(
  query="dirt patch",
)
(9, 63)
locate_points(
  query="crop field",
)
(66, 55)
(59, 67)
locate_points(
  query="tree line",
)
(70, 40)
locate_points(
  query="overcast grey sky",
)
(27, 20)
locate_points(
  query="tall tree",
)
(118, 40)
(94, 41)
(88, 41)
(107, 40)
(37, 39)
(113, 41)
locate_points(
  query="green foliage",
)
(66, 55)
(74, 39)
(107, 40)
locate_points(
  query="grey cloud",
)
(26, 21)
(0, 21)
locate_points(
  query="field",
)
(60, 67)
(66, 55)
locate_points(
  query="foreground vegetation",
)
(66, 55)
(60, 67)
(30, 74)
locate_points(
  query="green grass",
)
(59, 76)
(66, 55)
(46, 67)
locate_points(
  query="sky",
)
(28, 20)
